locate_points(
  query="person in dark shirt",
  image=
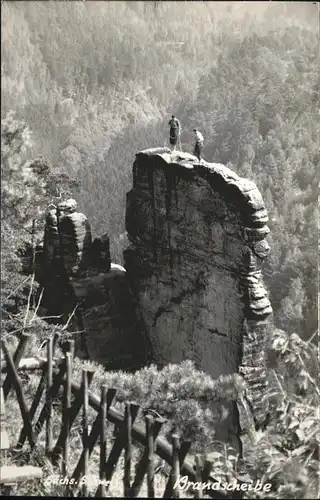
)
(175, 129)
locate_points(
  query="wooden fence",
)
(56, 378)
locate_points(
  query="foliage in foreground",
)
(285, 453)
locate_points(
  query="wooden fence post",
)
(103, 441)
(128, 450)
(75, 409)
(94, 434)
(183, 451)
(58, 380)
(85, 432)
(142, 466)
(175, 466)
(150, 448)
(66, 413)
(48, 393)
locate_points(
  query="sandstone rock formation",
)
(74, 238)
(192, 285)
(79, 281)
(67, 242)
(197, 234)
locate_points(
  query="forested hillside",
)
(95, 82)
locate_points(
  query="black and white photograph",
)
(159, 249)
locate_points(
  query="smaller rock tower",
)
(78, 279)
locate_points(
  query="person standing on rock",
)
(175, 129)
(199, 144)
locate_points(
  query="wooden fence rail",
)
(55, 376)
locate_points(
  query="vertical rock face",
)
(197, 234)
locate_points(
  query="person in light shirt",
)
(199, 143)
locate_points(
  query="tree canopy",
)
(94, 82)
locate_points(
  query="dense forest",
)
(85, 85)
(88, 84)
